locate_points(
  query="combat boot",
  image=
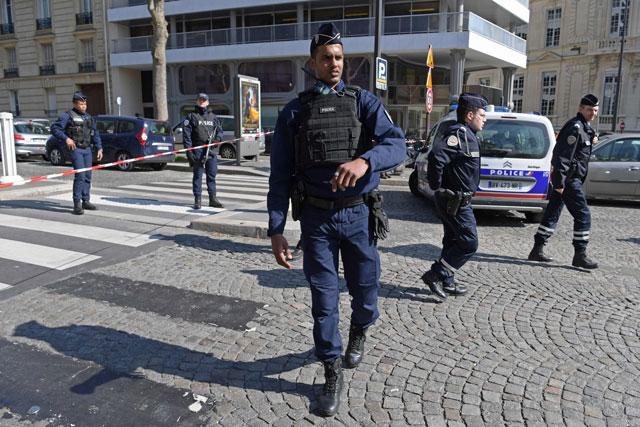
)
(214, 202)
(77, 208)
(454, 288)
(355, 348)
(434, 283)
(87, 205)
(197, 204)
(537, 254)
(329, 400)
(580, 259)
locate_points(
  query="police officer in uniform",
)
(570, 163)
(453, 173)
(201, 128)
(77, 129)
(323, 144)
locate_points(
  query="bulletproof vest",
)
(204, 127)
(329, 133)
(79, 129)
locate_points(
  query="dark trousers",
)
(460, 239)
(210, 169)
(81, 158)
(326, 234)
(576, 202)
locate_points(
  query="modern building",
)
(212, 41)
(50, 49)
(573, 48)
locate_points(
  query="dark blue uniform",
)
(80, 157)
(328, 233)
(190, 140)
(570, 165)
(454, 164)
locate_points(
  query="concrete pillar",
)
(507, 84)
(457, 70)
(232, 17)
(442, 20)
(300, 19)
(172, 42)
(460, 17)
(8, 147)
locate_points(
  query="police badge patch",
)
(571, 139)
(452, 141)
(186, 122)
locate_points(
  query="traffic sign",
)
(381, 73)
(429, 99)
(429, 85)
(430, 57)
(622, 125)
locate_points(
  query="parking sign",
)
(381, 74)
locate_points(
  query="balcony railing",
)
(612, 45)
(47, 70)
(84, 18)
(6, 29)
(51, 113)
(43, 23)
(10, 73)
(87, 67)
(127, 3)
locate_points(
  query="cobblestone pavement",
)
(530, 344)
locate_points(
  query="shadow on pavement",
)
(43, 205)
(218, 244)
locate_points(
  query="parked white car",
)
(30, 137)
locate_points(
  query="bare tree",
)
(159, 54)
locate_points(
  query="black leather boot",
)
(435, 284)
(355, 348)
(537, 254)
(580, 259)
(87, 205)
(214, 202)
(329, 400)
(197, 204)
(454, 288)
(77, 208)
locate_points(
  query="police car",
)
(515, 150)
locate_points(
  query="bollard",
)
(7, 145)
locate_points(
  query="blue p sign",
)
(381, 73)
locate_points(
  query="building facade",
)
(210, 42)
(573, 48)
(50, 49)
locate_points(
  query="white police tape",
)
(106, 165)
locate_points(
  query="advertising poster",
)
(250, 105)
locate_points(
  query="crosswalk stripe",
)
(181, 191)
(44, 256)
(146, 204)
(77, 230)
(229, 184)
(4, 286)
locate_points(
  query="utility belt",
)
(457, 199)
(378, 221)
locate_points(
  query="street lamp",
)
(616, 101)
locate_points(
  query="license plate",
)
(163, 148)
(505, 185)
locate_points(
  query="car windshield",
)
(159, 128)
(228, 124)
(514, 139)
(31, 128)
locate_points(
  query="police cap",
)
(327, 34)
(79, 96)
(589, 100)
(472, 100)
(203, 96)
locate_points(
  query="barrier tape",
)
(106, 165)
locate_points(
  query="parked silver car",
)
(30, 137)
(614, 168)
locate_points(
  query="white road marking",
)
(145, 204)
(4, 286)
(181, 191)
(44, 256)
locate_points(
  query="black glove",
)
(191, 157)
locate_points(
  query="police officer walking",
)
(201, 128)
(322, 148)
(78, 131)
(453, 173)
(570, 163)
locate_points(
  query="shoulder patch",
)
(571, 140)
(452, 141)
(186, 122)
(576, 125)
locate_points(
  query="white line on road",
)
(181, 191)
(44, 256)
(145, 204)
(4, 286)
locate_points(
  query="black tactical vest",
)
(329, 133)
(204, 127)
(79, 129)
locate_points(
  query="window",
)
(521, 31)
(618, 19)
(553, 27)
(207, 78)
(52, 108)
(14, 102)
(44, 10)
(518, 93)
(484, 81)
(622, 150)
(87, 50)
(85, 6)
(514, 139)
(609, 95)
(275, 76)
(7, 12)
(12, 61)
(548, 94)
(105, 126)
(47, 55)
(126, 127)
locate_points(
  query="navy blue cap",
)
(590, 100)
(79, 96)
(327, 34)
(203, 96)
(472, 100)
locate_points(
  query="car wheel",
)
(56, 157)
(124, 167)
(413, 183)
(227, 152)
(533, 217)
(158, 166)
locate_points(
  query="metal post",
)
(7, 143)
(376, 46)
(616, 101)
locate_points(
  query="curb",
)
(37, 190)
(246, 228)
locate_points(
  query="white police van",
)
(515, 154)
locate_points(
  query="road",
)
(135, 336)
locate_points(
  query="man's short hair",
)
(463, 110)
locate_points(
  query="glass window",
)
(511, 139)
(275, 76)
(484, 81)
(356, 12)
(286, 17)
(7, 12)
(31, 128)
(548, 94)
(85, 6)
(87, 50)
(139, 31)
(105, 126)
(44, 11)
(12, 60)
(206, 78)
(618, 19)
(126, 126)
(609, 94)
(397, 9)
(518, 93)
(258, 20)
(625, 150)
(157, 127)
(554, 18)
(14, 102)
(424, 7)
(47, 50)
(228, 124)
(326, 14)
(521, 31)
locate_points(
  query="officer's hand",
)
(559, 190)
(280, 249)
(99, 155)
(348, 173)
(191, 157)
(595, 140)
(70, 144)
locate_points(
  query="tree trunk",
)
(158, 52)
